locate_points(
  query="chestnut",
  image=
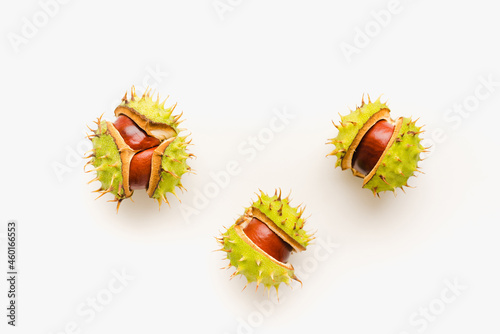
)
(267, 240)
(140, 169)
(141, 149)
(259, 243)
(371, 147)
(383, 151)
(134, 136)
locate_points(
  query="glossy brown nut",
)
(372, 146)
(134, 136)
(267, 240)
(140, 169)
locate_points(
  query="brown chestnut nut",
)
(267, 240)
(140, 169)
(371, 147)
(134, 136)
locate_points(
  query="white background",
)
(228, 71)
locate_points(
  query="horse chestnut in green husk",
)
(259, 243)
(383, 151)
(142, 149)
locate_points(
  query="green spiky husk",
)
(250, 260)
(400, 162)
(253, 264)
(350, 125)
(284, 216)
(167, 167)
(173, 166)
(107, 162)
(152, 110)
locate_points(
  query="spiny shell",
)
(251, 261)
(107, 162)
(111, 156)
(399, 162)
(400, 159)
